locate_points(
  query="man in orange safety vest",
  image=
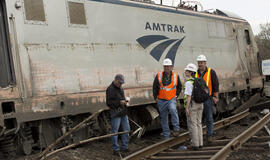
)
(166, 88)
(211, 80)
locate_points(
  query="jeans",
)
(116, 122)
(208, 114)
(165, 107)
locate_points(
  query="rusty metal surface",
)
(236, 143)
(71, 104)
(166, 144)
(9, 93)
(255, 98)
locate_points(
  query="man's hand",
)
(156, 100)
(123, 102)
(215, 99)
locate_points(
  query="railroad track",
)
(217, 150)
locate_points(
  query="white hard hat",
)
(201, 58)
(167, 62)
(191, 67)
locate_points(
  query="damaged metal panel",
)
(228, 14)
(9, 93)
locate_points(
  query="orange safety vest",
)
(207, 79)
(167, 92)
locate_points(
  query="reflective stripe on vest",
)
(167, 92)
(208, 75)
(207, 79)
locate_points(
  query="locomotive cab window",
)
(34, 10)
(76, 13)
(216, 29)
(247, 37)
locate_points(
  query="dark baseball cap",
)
(120, 78)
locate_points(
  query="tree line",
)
(263, 41)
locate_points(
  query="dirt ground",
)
(101, 150)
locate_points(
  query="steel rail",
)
(242, 138)
(166, 144)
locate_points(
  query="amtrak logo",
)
(158, 50)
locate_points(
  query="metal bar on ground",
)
(261, 104)
(180, 157)
(212, 148)
(81, 142)
(267, 129)
(182, 153)
(219, 142)
(255, 98)
(74, 129)
(260, 139)
(166, 144)
(259, 144)
(254, 149)
(242, 138)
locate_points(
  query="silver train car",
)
(58, 57)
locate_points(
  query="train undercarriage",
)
(37, 135)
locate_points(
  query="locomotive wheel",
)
(104, 122)
(27, 147)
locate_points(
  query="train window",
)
(34, 10)
(229, 29)
(8, 107)
(221, 29)
(216, 29)
(76, 13)
(212, 31)
(247, 37)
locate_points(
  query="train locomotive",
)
(58, 57)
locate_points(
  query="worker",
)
(166, 88)
(194, 110)
(211, 79)
(116, 101)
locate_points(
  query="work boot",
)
(175, 133)
(209, 139)
(117, 153)
(125, 150)
(195, 148)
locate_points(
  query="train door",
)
(252, 54)
(7, 76)
(243, 55)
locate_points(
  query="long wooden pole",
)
(81, 142)
(68, 133)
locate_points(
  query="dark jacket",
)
(214, 79)
(114, 95)
(166, 81)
